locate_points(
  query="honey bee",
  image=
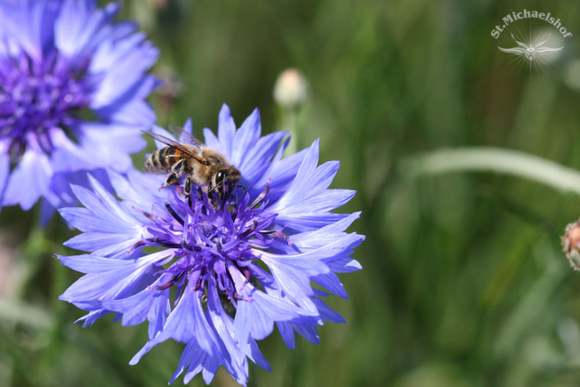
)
(202, 165)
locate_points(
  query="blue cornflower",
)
(72, 90)
(239, 263)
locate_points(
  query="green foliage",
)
(464, 283)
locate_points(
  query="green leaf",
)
(496, 160)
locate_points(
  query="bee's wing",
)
(515, 50)
(184, 136)
(174, 144)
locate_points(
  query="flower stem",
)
(34, 248)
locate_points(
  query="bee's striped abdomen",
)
(173, 155)
(169, 156)
(163, 159)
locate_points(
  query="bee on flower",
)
(221, 268)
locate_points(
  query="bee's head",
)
(232, 174)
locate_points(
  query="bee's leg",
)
(176, 172)
(210, 194)
(224, 190)
(187, 189)
(172, 179)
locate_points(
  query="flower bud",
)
(291, 89)
(571, 244)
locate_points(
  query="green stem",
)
(484, 159)
(34, 248)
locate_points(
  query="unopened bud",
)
(291, 89)
(571, 244)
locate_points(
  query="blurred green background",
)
(464, 282)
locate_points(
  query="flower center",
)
(36, 97)
(211, 236)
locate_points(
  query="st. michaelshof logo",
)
(535, 44)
